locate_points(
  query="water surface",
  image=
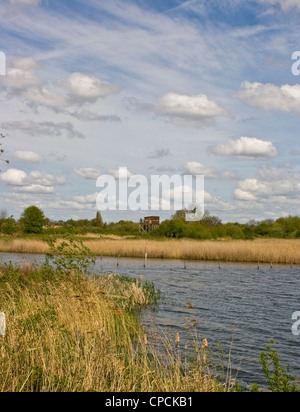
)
(236, 302)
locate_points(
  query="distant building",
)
(149, 223)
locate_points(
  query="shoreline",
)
(264, 251)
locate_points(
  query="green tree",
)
(9, 226)
(99, 220)
(33, 220)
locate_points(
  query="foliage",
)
(278, 378)
(32, 220)
(69, 255)
(8, 226)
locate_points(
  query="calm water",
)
(237, 301)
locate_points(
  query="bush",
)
(9, 226)
(32, 220)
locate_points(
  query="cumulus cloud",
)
(20, 75)
(28, 157)
(245, 147)
(89, 88)
(87, 202)
(34, 182)
(88, 173)
(274, 184)
(271, 97)
(45, 98)
(196, 168)
(196, 110)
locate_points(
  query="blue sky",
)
(176, 87)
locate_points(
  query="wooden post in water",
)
(146, 255)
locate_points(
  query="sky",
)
(161, 87)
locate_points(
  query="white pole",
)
(2, 324)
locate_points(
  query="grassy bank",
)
(73, 333)
(281, 251)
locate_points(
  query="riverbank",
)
(70, 333)
(277, 251)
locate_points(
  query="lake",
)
(234, 302)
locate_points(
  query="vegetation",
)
(32, 220)
(210, 227)
(208, 239)
(72, 333)
(278, 379)
(68, 332)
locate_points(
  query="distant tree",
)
(9, 226)
(179, 214)
(33, 220)
(209, 220)
(99, 220)
(2, 151)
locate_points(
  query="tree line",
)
(33, 221)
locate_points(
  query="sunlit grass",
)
(73, 333)
(283, 251)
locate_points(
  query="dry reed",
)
(71, 333)
(280, 251)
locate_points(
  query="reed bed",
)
(280, 251)
(70, 333)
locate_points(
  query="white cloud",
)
(271, 97)
(34, 182)
(89, 88)
(245, 147)
(13, 177)
(274, 184)
(195, 110)
(84, 203)
(29, 157)
(88, 173)
(17, 78)
(27, 63)
(196, 168)
(121, 173)
(45, 98)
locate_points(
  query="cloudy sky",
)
(170, 87)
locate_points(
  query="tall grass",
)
(68, 333)
(282, 251)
